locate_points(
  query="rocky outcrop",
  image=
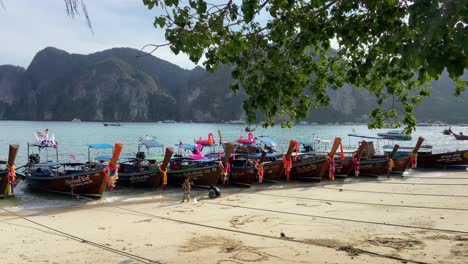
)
(118, 85)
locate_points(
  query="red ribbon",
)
(225, 171)
(331, 168)
(414, 160)
(357, 163)
(287, 167)
(259, 167)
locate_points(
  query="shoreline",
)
(277, 223)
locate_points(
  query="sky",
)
(28, 26)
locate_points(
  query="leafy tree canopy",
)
(282, 55)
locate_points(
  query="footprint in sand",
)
(397, 242)
(237, 221)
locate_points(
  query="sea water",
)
(74, 137)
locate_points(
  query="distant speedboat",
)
(236, 122)
(112, 124)
(395, 135)
(76, 120)
(169, 121)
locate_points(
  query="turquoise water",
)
(74, 137)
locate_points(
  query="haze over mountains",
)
(115, 85)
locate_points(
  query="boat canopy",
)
(185, 146)
(268, 141)
(109, 156)
(259, 155)
(100, 146)
(407, 147)
(151, 144)
(306, 143)
(365, 136)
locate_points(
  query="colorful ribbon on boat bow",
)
(164, 177)
(112, 174)
(414, 160)
(357, 163)
(225, 172)
(287, 167)
(331, 168)
(260, 171)
(297, 151)
(390, 165)
(11, 178)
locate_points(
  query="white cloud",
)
(29, 26)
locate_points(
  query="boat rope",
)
(398, 193)
(86, 241)
(438, 178)
(364, 203)
(344, 219)
(363, 251)
(419, 183)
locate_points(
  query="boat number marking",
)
(78, 181)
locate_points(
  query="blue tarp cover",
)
(185, 146)
(107, 157)
(101, 146)
(365, 136)
(268, 141)
(268, 155)
(151, 144)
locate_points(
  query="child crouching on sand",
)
(186, 187)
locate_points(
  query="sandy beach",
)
(420, 218)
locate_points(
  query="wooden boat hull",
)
(372, 167)
(272, 171)
(400, 164)
(89, 184)
(144, 179)
(242, 175)
(203, 176)
(3, 183)
(449, 160)
(343, 167)
(309, 169)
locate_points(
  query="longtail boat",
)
(68, 178)
(150, 174)
(426, 159)
(344, 167)
(402, 161)
(253, 163)
(459, 136)
(447, 160)
(255, 159)
(8, 177)
(308, 166)
(140, 171)
(200, 172)
(374, 166)
(269, 166)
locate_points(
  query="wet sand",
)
(367, 220)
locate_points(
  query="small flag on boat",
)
(72, 157)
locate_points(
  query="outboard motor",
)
(34, 158)
(308, 148)
(140, 155)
